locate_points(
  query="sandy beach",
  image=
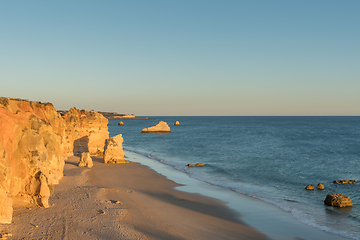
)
(125, 201)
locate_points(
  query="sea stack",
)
(177, 123)
(121, 123)
(114, 152)
(161, 127)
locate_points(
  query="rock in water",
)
(338, 200)
(345, 181)
(114, 151)
(161, 127)
(177, 123)
(320, 186)
(121, 123)
(85, 160)
(196, 165)
(309, 187)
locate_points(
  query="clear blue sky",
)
(184, 57)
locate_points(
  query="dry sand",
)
(124, 201)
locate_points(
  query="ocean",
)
(270, 159)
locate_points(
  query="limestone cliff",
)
(32, 136)
(87, 131)
(34, 142)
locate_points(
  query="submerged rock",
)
(161, 127)
(196, 165)
(309, 187)
(320, 186)
(338, 200)
(114, 152)
(177, 123)
(85, 160)
(345, 181)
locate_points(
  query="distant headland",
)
(110, 115)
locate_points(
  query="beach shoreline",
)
(259, 214)
(140, 200)
(125, 201)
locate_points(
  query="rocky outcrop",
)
(345, 181)
(85, 160)
(320, 186)
(196, 165)
(86, 131)
(34, 142)
(338, 200)
(32, 139)
(121, 123)
(161, 127)
(177, 123)
(114, 152)
(309, 187)
(39, 190)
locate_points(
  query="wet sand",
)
(125, 201)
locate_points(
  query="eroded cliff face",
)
(31, 136)
(34, 142)
(87, 131)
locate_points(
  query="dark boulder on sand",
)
(338, 200)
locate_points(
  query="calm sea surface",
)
(269, 158)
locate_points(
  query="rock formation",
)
(320, 186)
(85, 160)
(161, 127)
(32, 139)
(196, 165)
(121, 123)
(309, 187)
(113, 150)
(177, 123)
(34, 142)
(6, 209)
(338, 200)
(345, 181)
(86, 130)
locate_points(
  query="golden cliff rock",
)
(35, 140)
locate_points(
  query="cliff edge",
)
(35, 140)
